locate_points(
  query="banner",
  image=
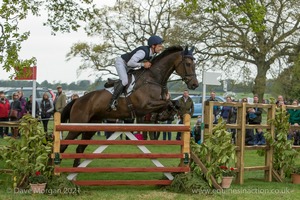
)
(29, 73)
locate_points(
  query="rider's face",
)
(157, 48)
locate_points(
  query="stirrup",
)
(113, 105)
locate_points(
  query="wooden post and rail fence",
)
(241, 126)
(183, 156)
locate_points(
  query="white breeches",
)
(121, 70)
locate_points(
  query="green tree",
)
(288, 82)
(63, 16)
(84, 84)
(73, 86)
(120, 29)
(244, 37)
(45, 84)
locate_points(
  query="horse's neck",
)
(162, 71)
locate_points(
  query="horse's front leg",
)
(81, 148)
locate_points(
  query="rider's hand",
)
(147, 64)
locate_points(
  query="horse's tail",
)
(65, 114)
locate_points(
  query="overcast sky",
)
(50, 51)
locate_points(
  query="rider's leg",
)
(121, 69)
(117, 92)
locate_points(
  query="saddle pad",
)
(129, 88)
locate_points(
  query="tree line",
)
(173, 86)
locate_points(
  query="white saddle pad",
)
(129, 89)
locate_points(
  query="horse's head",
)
(186, 68)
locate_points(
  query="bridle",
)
(187, 76)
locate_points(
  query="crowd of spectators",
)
(20, 106)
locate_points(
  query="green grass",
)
(254, 186)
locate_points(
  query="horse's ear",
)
(186, 50)
(192, 49)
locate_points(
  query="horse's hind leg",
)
(70, 136)
(81, 148)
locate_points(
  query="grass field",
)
(254, 186)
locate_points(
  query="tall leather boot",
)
(117, 92)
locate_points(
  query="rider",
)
(138, 58)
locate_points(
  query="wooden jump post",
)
(9, 124)
(184, 155)
(241, 127)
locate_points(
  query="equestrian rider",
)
(138, 58)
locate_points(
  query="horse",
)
(146, 97)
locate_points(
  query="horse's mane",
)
(166, 52)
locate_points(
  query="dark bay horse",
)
(147, 95)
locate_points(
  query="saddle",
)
(112, 82)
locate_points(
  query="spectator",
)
(74, 96)
(165, 133)
(244, 100)
(186, 106)
(196, 133)
(232, 120)
(4, 111)
(216, 109)
(60, 99)
(15, 105)
(23, 104)
(294, 120)
(28, 107)
(259, 137)
(280, 101)
(226, 109)
(253, 116)
(47, 109)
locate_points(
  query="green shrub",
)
(217, 150)
(28, 154)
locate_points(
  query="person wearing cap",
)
(139, 58)
(60, 100)
(186, 106)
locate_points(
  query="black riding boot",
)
(117, 92)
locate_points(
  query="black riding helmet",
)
(154, 39)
